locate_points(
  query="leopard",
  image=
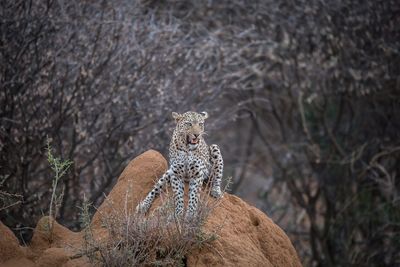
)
(191, 161)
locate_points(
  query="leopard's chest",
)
(188, 160)
(190, 157)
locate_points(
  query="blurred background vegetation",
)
(303, 97)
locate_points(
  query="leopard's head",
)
(190, 127)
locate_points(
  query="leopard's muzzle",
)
(192, 141)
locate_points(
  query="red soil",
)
(247, 237)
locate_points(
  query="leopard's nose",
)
(196, 135)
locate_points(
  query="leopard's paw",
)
(216, 192)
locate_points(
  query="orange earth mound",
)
(248, 237)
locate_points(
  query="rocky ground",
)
(247, 236)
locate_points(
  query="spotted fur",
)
(192, 161)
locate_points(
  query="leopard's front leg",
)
(178, 189)
(145, 205)
(177, 184)
(217, 166)
(196, 180)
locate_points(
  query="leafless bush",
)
(319, 95)
(160, 239)
(8, 200)
(100, 79)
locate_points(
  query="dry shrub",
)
(159, 239)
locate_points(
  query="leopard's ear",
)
(204, 114)
(176, 116)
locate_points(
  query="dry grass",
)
(157, 239)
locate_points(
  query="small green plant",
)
(89, 246)
(60, 168)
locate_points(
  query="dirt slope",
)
(247, 238)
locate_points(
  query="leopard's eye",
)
(201, 124)
(188, 124)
